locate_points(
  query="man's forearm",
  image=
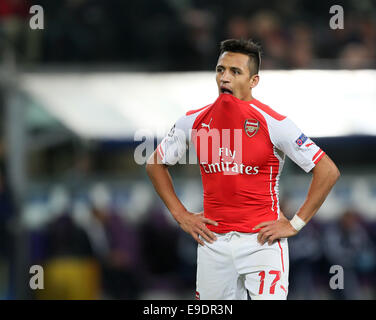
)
(325, 175)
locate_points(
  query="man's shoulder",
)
(267, 110)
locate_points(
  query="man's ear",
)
(254, 80)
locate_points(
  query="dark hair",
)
(247, 47)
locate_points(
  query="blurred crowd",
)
(184, 35)
(100, 245)
(348, 242)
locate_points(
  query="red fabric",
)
(238, 202)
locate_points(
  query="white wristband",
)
(297, 223)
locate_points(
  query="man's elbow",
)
(335, 174)
(328, 170)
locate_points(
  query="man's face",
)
(233, 75)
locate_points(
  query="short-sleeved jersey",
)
(241, 148)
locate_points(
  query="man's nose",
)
(225, 77)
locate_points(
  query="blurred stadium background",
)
(78, 97)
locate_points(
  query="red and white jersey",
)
(241, 148)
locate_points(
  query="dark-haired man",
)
(241, 145)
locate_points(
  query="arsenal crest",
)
(251, 127)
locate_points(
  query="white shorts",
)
(237, 267)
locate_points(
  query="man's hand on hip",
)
(194, 224)
(274, 230)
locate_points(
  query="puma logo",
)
(204, 125)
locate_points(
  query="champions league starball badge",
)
(251, 127)
(301, 140)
